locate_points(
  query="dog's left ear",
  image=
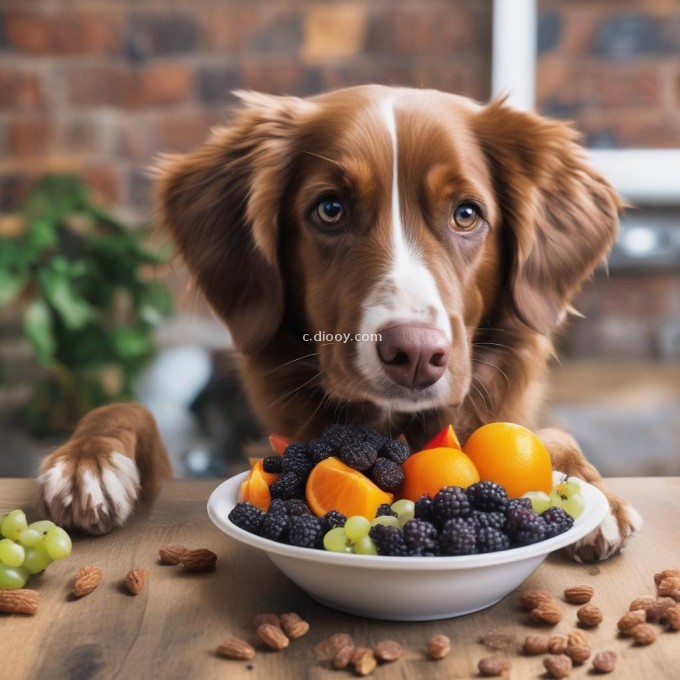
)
(562, 216)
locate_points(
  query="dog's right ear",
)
(221, 206)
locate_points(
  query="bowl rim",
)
(223, 499)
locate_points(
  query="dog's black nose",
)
(413, 356)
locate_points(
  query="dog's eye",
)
(329, 211)
(466, 217)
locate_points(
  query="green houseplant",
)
(85, 284)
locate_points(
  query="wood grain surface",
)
(173, 627)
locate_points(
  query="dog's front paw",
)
(88, 485)
(611, 536)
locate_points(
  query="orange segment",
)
(279, 443)
(332, 485)
(255, 487)
(510, 455)
(445, 438)
(428, 471)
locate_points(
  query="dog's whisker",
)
(292, 392)
(490, 363)
(292, 361)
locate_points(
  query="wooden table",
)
(172, 629)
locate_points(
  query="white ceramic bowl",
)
(406, 588)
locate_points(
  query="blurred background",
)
(92, 308)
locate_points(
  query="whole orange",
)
(512, 456)
(428, 471)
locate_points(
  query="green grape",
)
(11, 554)
(556, 499)
(336, 541)
(12, 577)
(57, 543)
(365, 546)
(12, 524)
(387, 520)
(540, 500)
(574, 505)
(356, 527)
(37, 559)
(42, 526)
(30, 537)
(404, 505)
(568, 487)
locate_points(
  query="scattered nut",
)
(666, 573)
(135, 580)
(293, 625)
(235, 648)
(643, 634)
(530, 599)
(271, 619)
(579, 594)
(578, 646)
(388, 650)
(589, 615)
(558, 665)
(558, 644)
(604, 662)
(493, 666)
(497, 639)
(200, 559)
(328, 648)
(658, 611)
(645, 602)
(87, 579)
(364, 660)
(19, 601)
(547, 612)
(577, 637)
(673, 617)
(171, 554)
(536, 644)
(670, 587)
(272, 636)
(438, 647)
(631, 620)
(343, 657)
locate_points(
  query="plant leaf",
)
(38, 329)
(11, 285)
(57, 286)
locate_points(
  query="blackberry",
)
(389, 540)
(305, 531)
(319, 449)
(491, 539)
(288, 485)
(387, 474)
(395, 450)
(385, 509)
(487, 496)
(296, 506)
(458, 537)
(334, 519)
(450, 502)
(518, 503)
(517, 517)
(420, 535)
(425, 508)
(488, 519)
(272, 463)
(557, 521)
(277, 506)
(358, 455)
(297, 462)
(296, 447)
(246, 516)
(530, 532)
(376, 439)
(275, 527)
(337, 435)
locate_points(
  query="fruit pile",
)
(338, 492)
(27, 549)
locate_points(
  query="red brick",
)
(65, 32)
(182, 132)
(104, 182)
(235, 28)
(30, 138)
(279, 77)
(20, 91)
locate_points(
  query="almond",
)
(497, 639)
(388, 650)
(558, 644)
(438, 647)
(135, 580)
(530, 599)
(171, 554)
(293, 625)
(272, 636)
(19, 601)
(643, 634)
(666, 573)
(235, 648)
(604, 662)
(87, 579)
(536, 644)
(343, 657)
(589, 615)
(494, 666)
(578, 646)
(328, 648)
(579, 594)
(272, 619)
(201, 559)
(673, 617)
(547, 612)
(645, 602)
(630, 620)
(670, 587)
(659, 610)
(364, 661)
(558, 665)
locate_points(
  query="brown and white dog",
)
(443, 238)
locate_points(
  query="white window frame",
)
(648, 177)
